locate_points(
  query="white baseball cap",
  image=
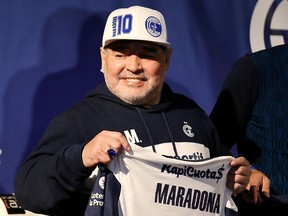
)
(135, 23)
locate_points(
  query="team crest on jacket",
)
(188, 129)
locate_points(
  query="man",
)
(134, 106)
(251, 111)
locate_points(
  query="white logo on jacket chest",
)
(188, 130)
(131, 136)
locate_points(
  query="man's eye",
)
(146, 56)
(119, 55)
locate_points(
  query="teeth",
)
(133, 80)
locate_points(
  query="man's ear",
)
(168, 56)
(103, 59)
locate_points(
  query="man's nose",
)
(133, 63)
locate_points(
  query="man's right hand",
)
(95, 151)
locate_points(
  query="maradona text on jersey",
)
(187, 198)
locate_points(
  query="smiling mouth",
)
(135, 79)
(134, 82)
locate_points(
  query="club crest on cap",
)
(153, 26)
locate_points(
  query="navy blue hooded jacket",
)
(51, 180)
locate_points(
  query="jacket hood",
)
(103, 92)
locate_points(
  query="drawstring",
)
(170, 134)
(147, 129)
(149, 134)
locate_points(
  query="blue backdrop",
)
(49, 56)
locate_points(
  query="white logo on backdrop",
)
(269, 24)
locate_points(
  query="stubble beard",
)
(145, 98)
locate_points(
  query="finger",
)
(233, 183)
(104, 158)
(266, 187)
(255, 194)
(240, 175)
(119, 140)
(237, 183)
(125, 145)
(248, 186)
(240, 161)
(235, 187)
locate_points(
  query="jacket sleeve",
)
(51, 180)
(235, 103)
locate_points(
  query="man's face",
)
(135, 70)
